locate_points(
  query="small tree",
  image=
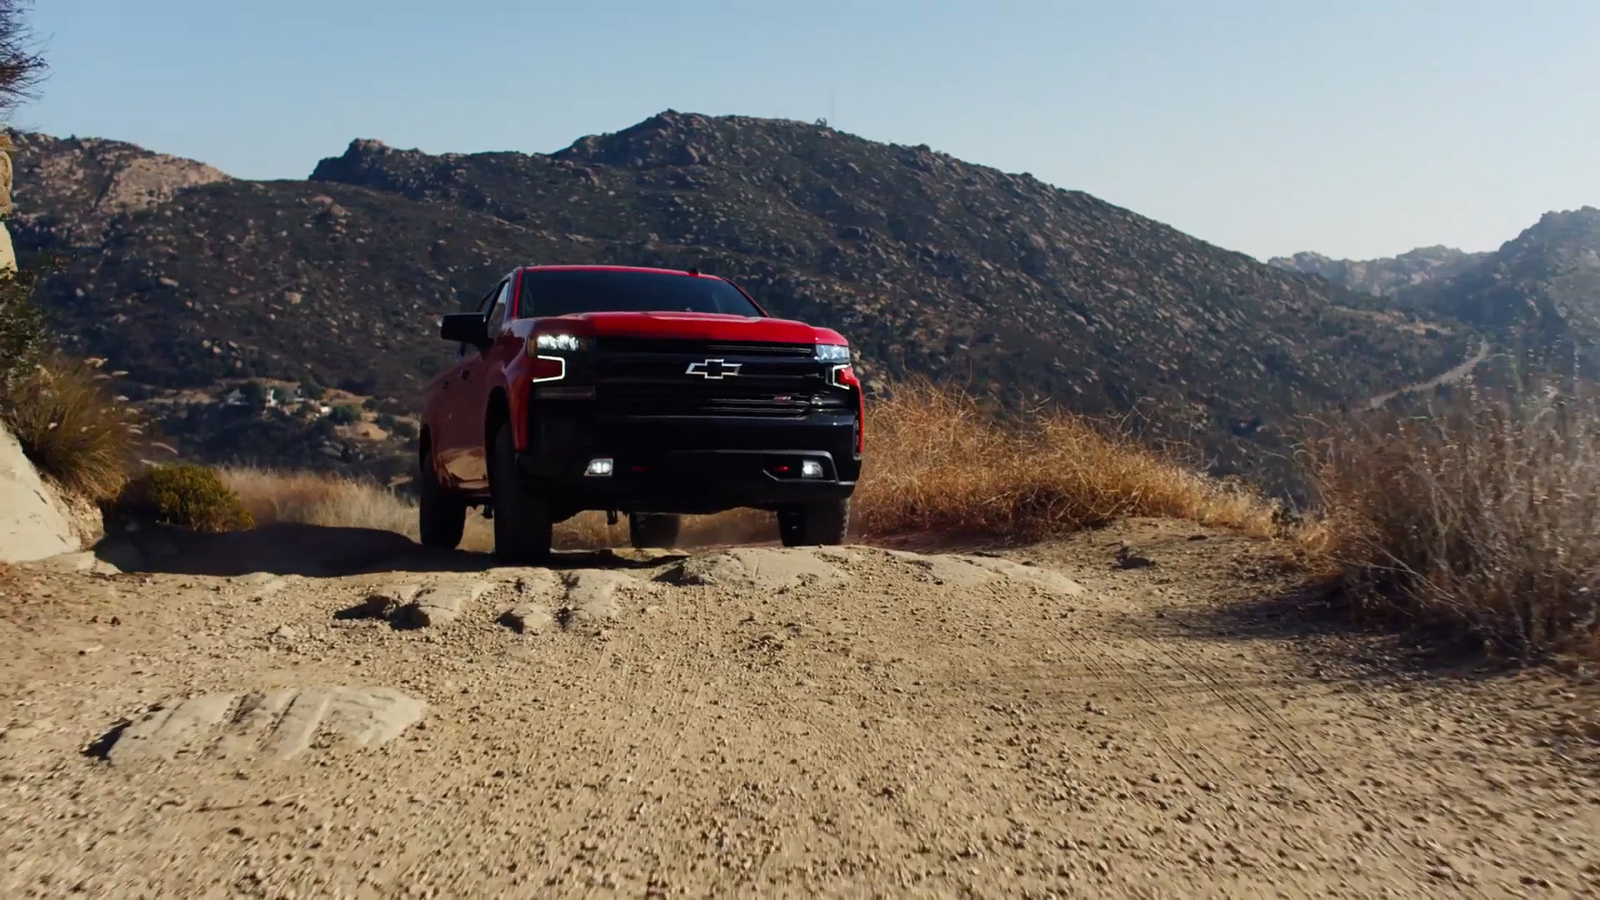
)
(24, 333)
(254, 393)
(21, 69)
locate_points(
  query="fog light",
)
(810, 468)
(598, 467)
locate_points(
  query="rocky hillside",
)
(1538, 294)
(68, 191)
(1541, 289)
(1384, 277)
(929, 264)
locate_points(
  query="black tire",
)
(659, 530)
(441, 518)
(521, 520)
(815, 524)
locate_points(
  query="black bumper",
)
(686, 464)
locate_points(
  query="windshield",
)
(567, 292)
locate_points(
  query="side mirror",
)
(465, 328)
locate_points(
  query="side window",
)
(497, 313)
(484, 305)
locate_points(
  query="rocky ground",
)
(1144, 711)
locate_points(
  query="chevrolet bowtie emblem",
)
(713, 369)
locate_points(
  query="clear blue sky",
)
(1352, 127)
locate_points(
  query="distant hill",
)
(930, 265)
(1538, 294)
(1384, 277)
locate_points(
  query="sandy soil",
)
(1056, 721)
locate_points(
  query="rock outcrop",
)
(34, 523)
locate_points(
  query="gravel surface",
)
(760, 722)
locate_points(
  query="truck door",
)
(448, 397)
(474, 381)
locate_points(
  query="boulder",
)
(34, 523)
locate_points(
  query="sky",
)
(1355, 128)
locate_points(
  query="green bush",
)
(345, 415)
(310, 390)
(24, 331)
(187, 496)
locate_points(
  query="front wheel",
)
(658, 530)
(441, 518)
(815, 524)
(522, 527)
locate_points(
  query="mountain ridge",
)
(1538, 294)
(930, 265)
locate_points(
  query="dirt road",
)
(1060, 721)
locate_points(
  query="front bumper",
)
(686, 464)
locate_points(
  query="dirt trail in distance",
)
(1057, 721)
(1452, 376)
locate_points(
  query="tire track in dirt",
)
(1110, 671)
(1311, 768)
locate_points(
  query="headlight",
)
(833, 352)
(558, 342)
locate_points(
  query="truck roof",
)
(600, 268)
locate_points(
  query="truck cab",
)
(647, 392)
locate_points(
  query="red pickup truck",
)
(647, 392)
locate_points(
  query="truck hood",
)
(689, 326)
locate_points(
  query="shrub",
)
(77, 435)
(24, 332)
(938, 463)
(345, 415)
(311, 390)
(187, 496)
(1480, 515)
(254, 394)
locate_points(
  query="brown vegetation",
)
(71, 428)
(937, 462)
(1482, 517)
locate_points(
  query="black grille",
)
(703, 348)
(665, 377)
(674, 400)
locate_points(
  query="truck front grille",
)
(653, 377)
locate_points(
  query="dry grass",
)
(938, 463)
(314, 498)
(71, 428)
(1483, 517)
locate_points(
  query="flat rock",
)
(384, 601)
(527, 618)
(592, 593)
(760, 569)
(527, 582)
(278, 725)
(442, 603)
